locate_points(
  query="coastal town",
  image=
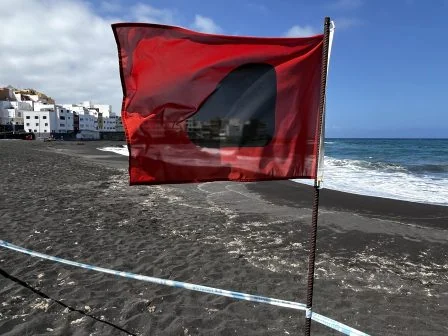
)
(28, 111)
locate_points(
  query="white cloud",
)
(66, 50)
(206, 25)
(148, 14)
(346, 4)
(61, 48)
(299, 31)
(345, 23)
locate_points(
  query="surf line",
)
(199, 288)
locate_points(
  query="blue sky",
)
(389, 65)
(388, 71)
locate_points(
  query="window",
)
(37, 124)
(27, 124)
(45, 131)
(69, 117)
(44, 117)
(62, 117)
(62, 125)
(36, 117)
(35, 130)
(46, 124)
(17, 122)
(27, 117)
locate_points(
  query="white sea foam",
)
(118, 150)
(355, 176)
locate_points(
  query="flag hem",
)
(186, 30)
(301, 177)
(123, 88)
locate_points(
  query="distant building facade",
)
(43, 123)
(32, 111)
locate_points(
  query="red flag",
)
(200, 107)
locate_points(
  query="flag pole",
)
(313, 231)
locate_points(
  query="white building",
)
(50, 118)
(119, 124)
(75, 108)
(104, 124)
(105, 110)
(43, 123)
(88, 122)
(94, 117)
(88, 117)
(38, 113)
(65, 119)
(193, 125)
(42, 106)
(11, 109)
(11, 112)
(108, 124)
(234, 128)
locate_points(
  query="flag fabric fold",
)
(201, 107)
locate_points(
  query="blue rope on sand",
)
(199, 288)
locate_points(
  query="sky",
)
(388, 72)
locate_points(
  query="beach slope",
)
(382, 265)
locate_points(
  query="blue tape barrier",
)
(171, 283)
(199, 288)
(346, 330)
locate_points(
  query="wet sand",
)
(382, 265)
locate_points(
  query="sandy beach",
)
(382, 265)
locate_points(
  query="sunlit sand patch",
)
(41, 304)
(390, 274)
(78, 321)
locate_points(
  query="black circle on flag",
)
(240, 112)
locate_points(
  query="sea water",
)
(406, 169)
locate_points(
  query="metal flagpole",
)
(313, 231)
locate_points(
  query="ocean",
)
(405, 169)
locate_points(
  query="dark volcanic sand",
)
(382, 265)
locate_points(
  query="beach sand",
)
(382, 265)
